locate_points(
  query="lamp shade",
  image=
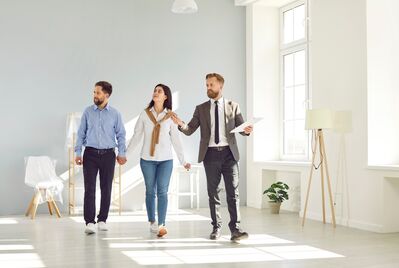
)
(319, 119)
(343, 121)
(72, 126)
(184, 6)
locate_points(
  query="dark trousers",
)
(94, 162)
(217, 163)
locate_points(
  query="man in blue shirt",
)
(101, 130)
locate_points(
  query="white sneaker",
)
(102, 226)
(153, 227)
(90, 228)
(162, 231)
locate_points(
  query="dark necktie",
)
(216, 123)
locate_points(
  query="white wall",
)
(338, 70)
(383, 81)
(341, 49)
(264, 58)
(262, 93)
(53, 51)
(383, 99)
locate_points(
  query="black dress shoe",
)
(238, 235)
(215, 234)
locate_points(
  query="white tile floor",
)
(275, 241)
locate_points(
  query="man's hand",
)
(78, 160)
(121, 160)
(177, 120)
(187, 166)
(248, 129)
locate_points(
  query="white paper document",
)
(241, 127)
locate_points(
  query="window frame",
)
(286, 49)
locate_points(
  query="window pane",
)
(295, 138)
(300, 102)
(288, 70)
(288, 26)
(300, 67)
(299, 22)
(288, 137)
(289, 103)
(300, 141)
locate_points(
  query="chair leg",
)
(35, 204)
(49, 208)
(55, 208)
(28, 211)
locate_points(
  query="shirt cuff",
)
(182, 127)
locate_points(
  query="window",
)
(294, 82)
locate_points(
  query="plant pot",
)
(275, 207)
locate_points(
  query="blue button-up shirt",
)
(101, 129)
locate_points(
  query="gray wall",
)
(53, 51)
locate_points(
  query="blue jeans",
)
(156, 177)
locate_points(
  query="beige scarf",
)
(157, 128)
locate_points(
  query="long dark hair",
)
(168, 102)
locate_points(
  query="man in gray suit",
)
(219, 152)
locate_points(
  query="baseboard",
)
(366, 226)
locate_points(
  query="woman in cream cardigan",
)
(160, 134)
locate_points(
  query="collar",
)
(95, 107)
(165, 111)
(220, 101)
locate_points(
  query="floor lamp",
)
(73, 123)
(317, 120)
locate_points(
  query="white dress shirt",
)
(169, 136)
(222, 124)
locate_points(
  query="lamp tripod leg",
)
(328, 180)
(309, 182)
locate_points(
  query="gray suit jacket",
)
(202, 119)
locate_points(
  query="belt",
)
(99, 151)
(218, 148)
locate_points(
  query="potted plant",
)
(277, 193)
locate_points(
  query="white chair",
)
(40, 174)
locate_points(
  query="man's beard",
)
(98, 102)
(211, 94)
